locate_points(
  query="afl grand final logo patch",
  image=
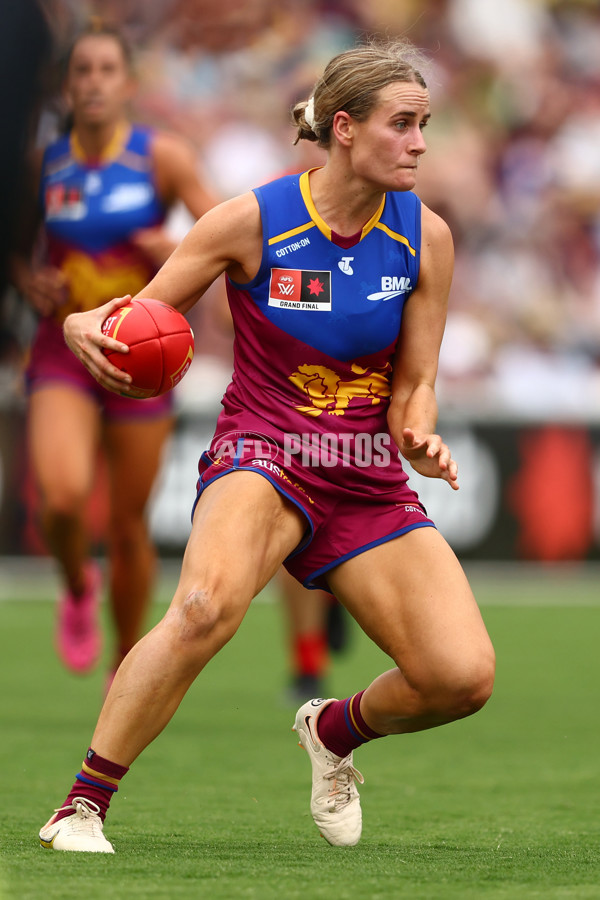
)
(300, 289)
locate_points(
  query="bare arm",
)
(413, 410)
(227, 239)
(178, 175)
(178, 178)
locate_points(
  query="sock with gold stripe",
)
(342, 728)
(98, 781)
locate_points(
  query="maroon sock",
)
(342, 728)
(98, 781)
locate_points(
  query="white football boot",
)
(334, 803)
(82, 831)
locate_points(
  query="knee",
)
(201, 616)
(128, 534)
(63, 503)
(467, 689)
(451, 689)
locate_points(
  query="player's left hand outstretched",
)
(83, 335)
(429, 456)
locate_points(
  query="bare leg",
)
(305, 610)
(412, 598)
(134, 452)
(242, 531)
(63, 434)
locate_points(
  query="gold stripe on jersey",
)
(374, 220)
(291, 233)
(312, 209)
(111, 152)
(396, 237)
(324, 227)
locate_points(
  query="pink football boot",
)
(78, 637)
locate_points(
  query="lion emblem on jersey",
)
(328, 393)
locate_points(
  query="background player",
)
(316, 624)
(104, 189)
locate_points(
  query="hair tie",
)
(309, 113)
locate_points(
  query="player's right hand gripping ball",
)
(160, 341)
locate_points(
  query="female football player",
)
(105, 187)
(338, 282)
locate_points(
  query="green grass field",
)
(502, 805)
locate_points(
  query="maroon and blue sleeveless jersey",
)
(91, 208)
(316, 329)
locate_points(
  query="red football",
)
(160, 341)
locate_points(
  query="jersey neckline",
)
(322, 225)
(111, 152)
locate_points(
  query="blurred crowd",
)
(513, 163)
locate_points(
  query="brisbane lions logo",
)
(328, 393)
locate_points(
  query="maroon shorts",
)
(52, 361)
(345, 515)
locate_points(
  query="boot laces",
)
(342, 776)
(85, 809)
